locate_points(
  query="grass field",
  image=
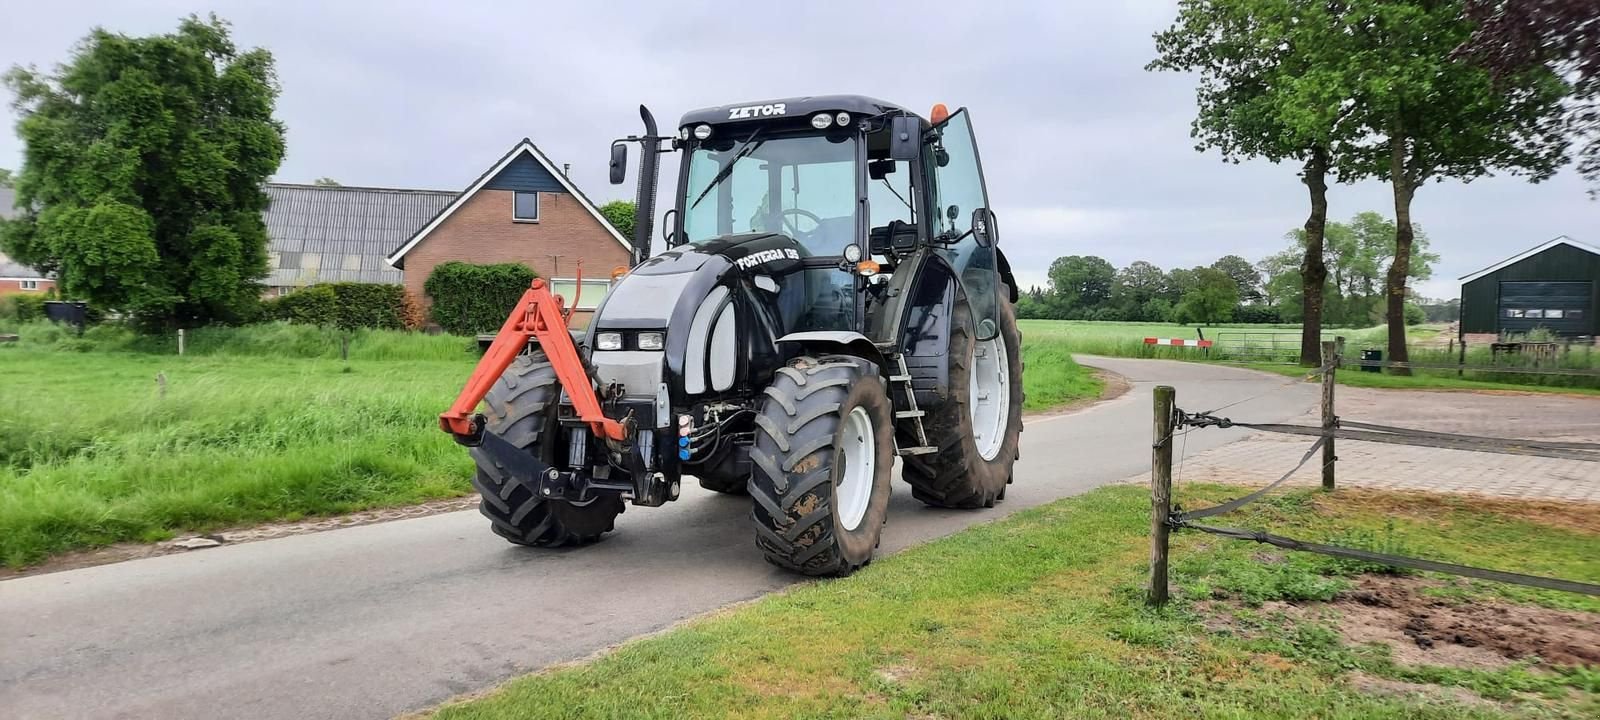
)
(255, 424)
(1127, 340)
(1040, 616)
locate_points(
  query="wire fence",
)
(1170, 421)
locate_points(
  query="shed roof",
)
(342, 234)
(1530, 252)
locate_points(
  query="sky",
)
(1085, 152)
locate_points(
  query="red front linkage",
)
(538, 315)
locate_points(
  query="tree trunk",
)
(1313, 272)
(1400, 266)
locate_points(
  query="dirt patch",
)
(198, 543)
(1424, 630)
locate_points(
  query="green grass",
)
(257, 424)
(1424, 381)
(1040, 616)
(1127, 340)
(91, 451)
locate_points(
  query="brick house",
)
(16, 277)
(522, 209)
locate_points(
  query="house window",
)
(1533, 313)
(28, 284)
(593, 291)
(1554, 314)
(1513, 313)
(1574, 314)
(526, 207)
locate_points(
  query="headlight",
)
(650, 341)
(702, 132)
(821, 121)
(843, 119)
(852, 253)
(608, 341)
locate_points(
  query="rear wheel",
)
(516, 409)
(978, 426)
(821, 465)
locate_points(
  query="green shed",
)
(1555, 286)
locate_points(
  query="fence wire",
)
(1372, 432)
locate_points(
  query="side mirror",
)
(905, 137)
(984, 231)
(619, 163)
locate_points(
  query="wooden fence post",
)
(1160, 493)
(1330, 361)
(180, 341)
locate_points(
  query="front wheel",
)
(821, 465)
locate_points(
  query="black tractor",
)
(831, 297)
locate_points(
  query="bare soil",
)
(1424, 630)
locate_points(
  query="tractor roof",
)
(796, 107)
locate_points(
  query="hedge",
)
(469, 299)
(22, 307)
(348, 306)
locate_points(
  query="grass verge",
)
(1039, 616)
(1355, 378)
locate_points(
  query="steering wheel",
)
(794, 226)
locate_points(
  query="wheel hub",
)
(989, 391)
(852, 492)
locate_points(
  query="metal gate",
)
(1266, 346)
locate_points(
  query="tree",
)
(144, 160)
(1430, 117)
(1081, 282)
(620, 214)
(1356, 255)
(1514, 35)
(1211, 300)
(1135, 286)
(1243, 273)
(326, 182)
(1268, 89)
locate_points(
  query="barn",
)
(1555, 286)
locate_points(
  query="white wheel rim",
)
(989, 391)
(853, 490)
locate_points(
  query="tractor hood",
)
(718, 303)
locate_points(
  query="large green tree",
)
(1081, 282)
(1243, 273)
(1267, 90)
(144, 159)
(1430, 116)
(1210, 300)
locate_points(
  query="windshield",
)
(801, 186)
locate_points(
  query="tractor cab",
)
(849, 180)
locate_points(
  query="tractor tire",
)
(516, 409)
(959, 475)
(821, 465)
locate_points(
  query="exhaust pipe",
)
(644, 213)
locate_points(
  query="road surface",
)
(377, 620)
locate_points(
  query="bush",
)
(470, 299)
(348, 306)
(21, 308)
(1415, 315)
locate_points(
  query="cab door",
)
(963, 227)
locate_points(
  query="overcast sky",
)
(1085, 152)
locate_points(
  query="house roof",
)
(524, 147)
(323, 233)
(1530, 252)
(11, 269)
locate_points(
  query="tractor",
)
(831, 298)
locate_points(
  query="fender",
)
(1005, 273)
(842, 341)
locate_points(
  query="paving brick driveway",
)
(1262, 457)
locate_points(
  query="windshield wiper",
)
(745, 148)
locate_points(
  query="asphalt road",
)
(373, 621)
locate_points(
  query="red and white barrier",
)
(1177, 341)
